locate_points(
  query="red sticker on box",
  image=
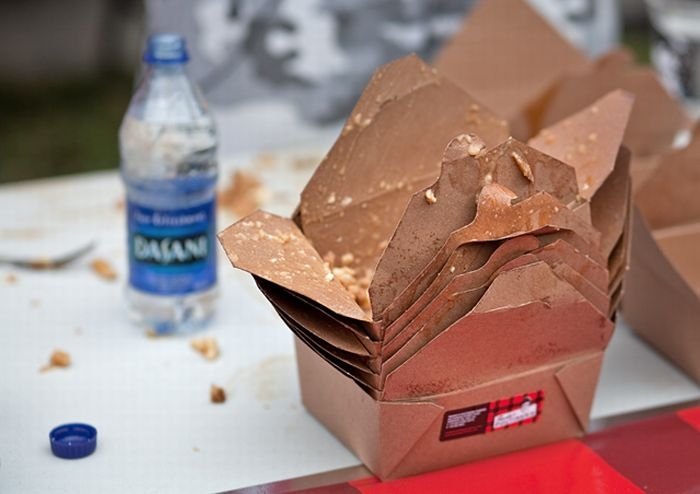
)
(493, 416)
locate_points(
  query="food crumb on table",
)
(207, 346)
(103, 269)
(217, 394)
(244, 194)
(10, 279)
(59, 358)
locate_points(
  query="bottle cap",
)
(73, 441)
(166, 48)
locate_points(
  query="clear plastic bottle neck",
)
(166, 94)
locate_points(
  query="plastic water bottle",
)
(168, 149)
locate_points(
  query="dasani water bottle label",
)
(172, 252)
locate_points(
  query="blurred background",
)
(276, 72)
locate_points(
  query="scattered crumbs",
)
(476, 147)
(329, 259)
(10, 279)
(329, 277)
(217, 394)
(473, 107)
(331, 198)
(207, 346)
(346, 201)
(195, 449)
(593, 137)
(264, 160)
(357, 286)
(59, 358)
(430, 196)
(357, 119)
(347, 259)
(452, 269)
(244, 194)
(119, 204)
(523, 165)
(594, 110)
(103, 269)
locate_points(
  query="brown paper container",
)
(403, 437)
(492, 265)
(662, 299)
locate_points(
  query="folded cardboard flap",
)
(424, 289)
(518, 168)
(562, 251)
(398, 438)
(497, 218)
(610, 204)
(598, 298)
(656, 117)
(316, 322)
(487, 56)
(589, 140)
(349, 187)
(669, 197)
(274, 248)
(520, 304)
(452, 204)
(455, 280)
(681, 246)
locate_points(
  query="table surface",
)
(149, 397)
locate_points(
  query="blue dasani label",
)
(172, 251)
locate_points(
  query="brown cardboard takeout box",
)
(662, 302)
(451, 288)
(663, 299)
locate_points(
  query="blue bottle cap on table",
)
(73, 441)
(166, 48)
